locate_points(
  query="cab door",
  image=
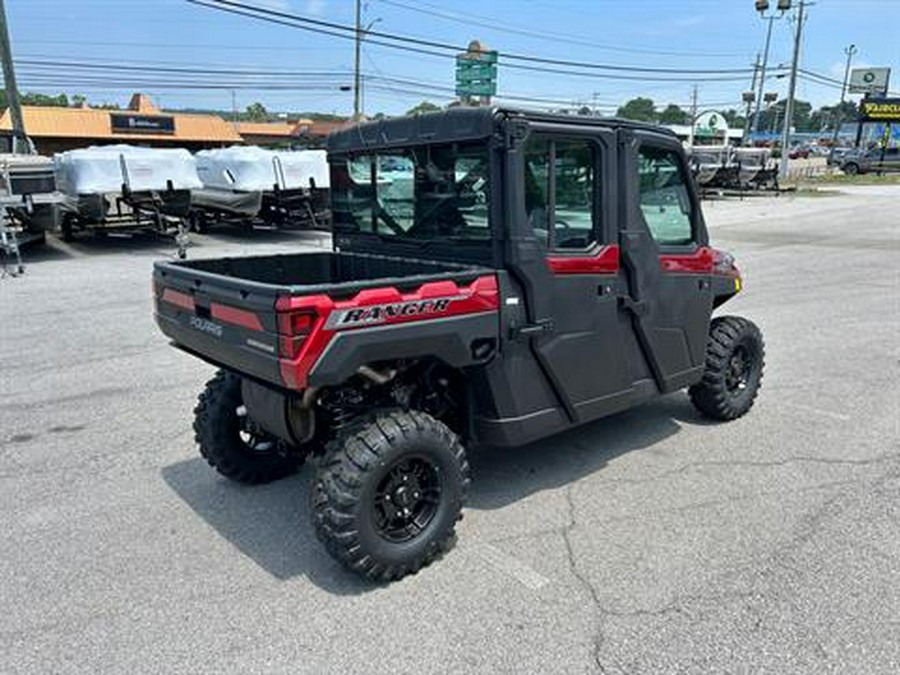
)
(570, 207)
(667, 263)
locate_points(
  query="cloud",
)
(315, 7)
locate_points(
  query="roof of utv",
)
(458, 124)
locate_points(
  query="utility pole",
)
(693, 114)
(12, 92)
(356, 108)
(792, 89)
(749, 99)
(839, 117)
(762, 74)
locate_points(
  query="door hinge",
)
(539, 327)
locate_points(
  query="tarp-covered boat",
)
(122, 186)
(277, 187)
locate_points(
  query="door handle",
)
(529, 330)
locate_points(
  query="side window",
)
(664, 197)
(559, 191)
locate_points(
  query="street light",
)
(762, 6)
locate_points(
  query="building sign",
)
(476, 72)
(879, 110)
(711, 124)
(869, 80)
(146, 124)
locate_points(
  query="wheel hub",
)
(406, 499)
(738, 373)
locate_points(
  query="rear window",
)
(437, 192)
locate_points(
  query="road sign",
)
(869, 80)
(476, 72)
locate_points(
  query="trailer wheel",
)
(735, 357)
(388, 494)
(198, 222)
(228, 441)
(67, 227)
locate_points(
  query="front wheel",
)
(229, 441)
(735, 356)
(389, 492)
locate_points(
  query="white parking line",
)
(525, 575)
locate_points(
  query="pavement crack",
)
(566, 532)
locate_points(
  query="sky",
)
(106, 49)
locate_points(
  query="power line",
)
(261, 12)
(470, 19)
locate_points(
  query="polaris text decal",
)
(206, 326)
(375, 314)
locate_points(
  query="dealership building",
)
(54, 129)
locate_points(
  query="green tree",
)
(733, 118)
(826, 117)
(423, 107)
(256, 112)
(773, 117)
(674, 114)
(639, 109)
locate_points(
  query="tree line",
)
(771, 118)
(640, 109)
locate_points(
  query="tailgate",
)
(230, 322)
(280, 334)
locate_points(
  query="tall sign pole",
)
(356, 108)
(792, 89)
(12, 92)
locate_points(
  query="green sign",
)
(475, 70)
(476, 73)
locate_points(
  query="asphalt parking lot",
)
(652, 542)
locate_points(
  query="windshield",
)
(434, 192)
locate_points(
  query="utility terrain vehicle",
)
(497, 276)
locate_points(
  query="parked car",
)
(837, 154)
(799, 152)
(867, 161)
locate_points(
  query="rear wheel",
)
(229, 441)
(389, 492)
(735, 356)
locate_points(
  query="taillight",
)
(293, 328)
(723, 263)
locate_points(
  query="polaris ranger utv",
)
(497, 276)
